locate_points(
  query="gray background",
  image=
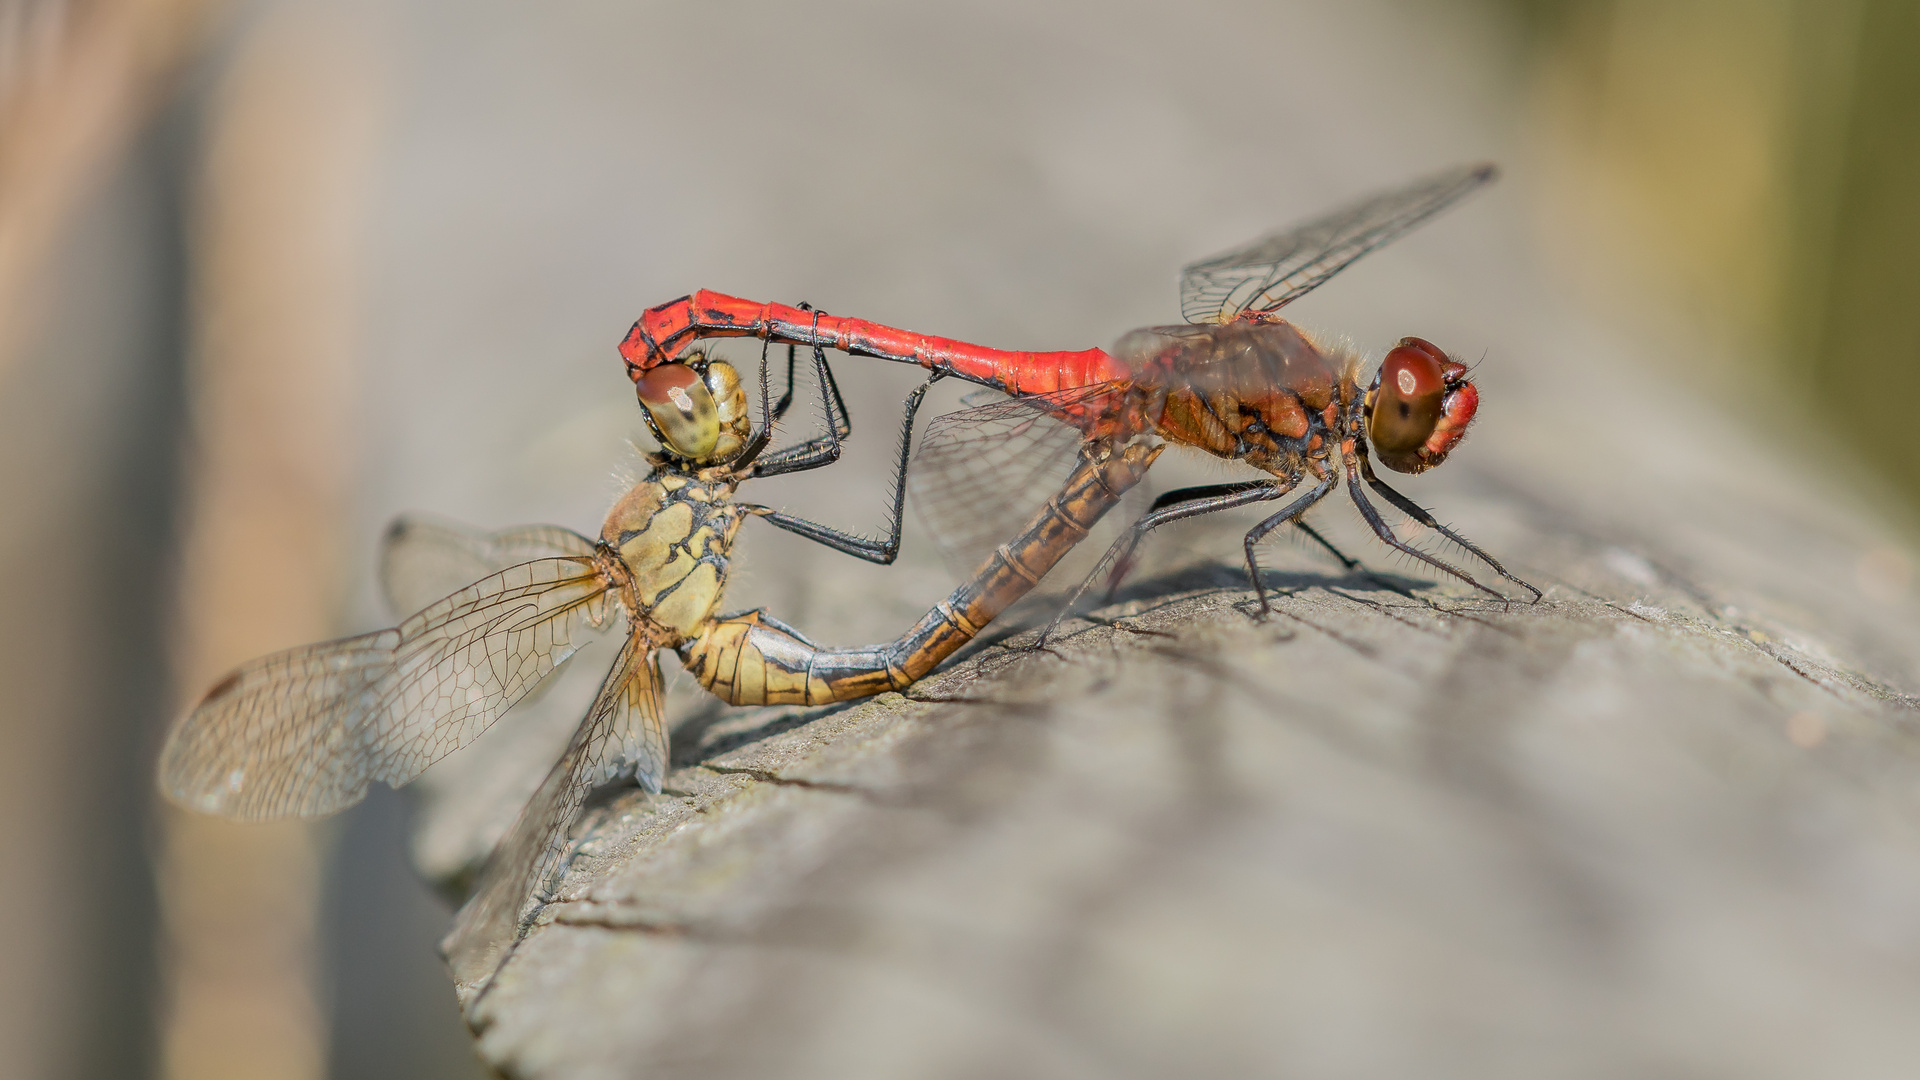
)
(1616, 862)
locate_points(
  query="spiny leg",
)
(1180, 495)
(770, 415)
(830, 390)
(1290, 512)
(1119, 566)
(757, 443)
(1385, 533)
(838, 418)
(860, 547)
(821, 449)
(1416, 512)
(1346, 562)
(780, 408)
(1192, 502)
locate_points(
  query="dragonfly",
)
(1237, 381)
(304, 732)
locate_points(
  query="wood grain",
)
(1663, 820)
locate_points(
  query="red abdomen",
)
(663, 330)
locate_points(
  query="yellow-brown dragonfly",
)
(302, 733)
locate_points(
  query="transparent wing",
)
(623, 734)
(981, 473)
(423, 558)
(303, 732)
(1276, 269)
(464, 805)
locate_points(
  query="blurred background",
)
(274, 270)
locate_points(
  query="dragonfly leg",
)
(837, 415)
(1385, 533)
(779, 410)
(1173, 506)
(1183, 494)
(786, 399)
(1123, 563)
(1345, 561)
(1416, 512)
(819, 450)
(1290, 512)
(860, 547)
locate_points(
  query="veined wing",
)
(1281, 267)
(467, 804)
(623, 734)
(982, 472)
(302, 732)
(423, 557)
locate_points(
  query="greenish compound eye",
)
(681, 409)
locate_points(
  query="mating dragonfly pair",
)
(303, 732)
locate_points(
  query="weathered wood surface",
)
(1664, 822)
(1397, 831)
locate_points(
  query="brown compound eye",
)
(1407, 404)
(681, 409)
(1419, 406)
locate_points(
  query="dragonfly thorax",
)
(674, 532)
(1259, 391)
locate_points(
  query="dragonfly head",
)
(1419, 406)
(697, 408)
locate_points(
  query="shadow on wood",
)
(1665, 815)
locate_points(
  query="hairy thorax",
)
(674, 532)
(1261, 392)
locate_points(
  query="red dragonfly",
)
(1238, 382)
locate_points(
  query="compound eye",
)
(1412, 385)
(682, 410)
(730, 409)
